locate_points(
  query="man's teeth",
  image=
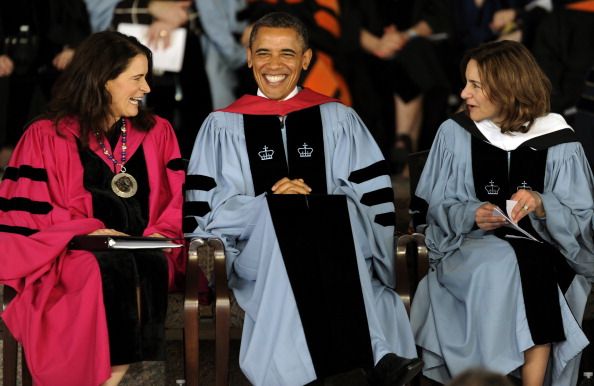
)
(275, 78)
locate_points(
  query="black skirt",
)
(135, 298)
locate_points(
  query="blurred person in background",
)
(37, 41)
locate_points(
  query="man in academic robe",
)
(298, 190)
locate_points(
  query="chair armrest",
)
(422, 255)
(210, 254)
(411, 265)
(220, 273)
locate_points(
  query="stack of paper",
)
(509, 205)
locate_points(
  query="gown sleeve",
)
(167, 180)
(219, 191)
(568, 203)
(446, 184)
(42, 205)
(359, 171)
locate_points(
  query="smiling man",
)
(298, 190)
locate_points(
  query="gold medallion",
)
(124, 185)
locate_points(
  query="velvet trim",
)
(380, 168)
(135, 298)
(189, 224)
(377, 197)
(178, 164)
(200, 182)
(18, 230)
(385, 219)
(196, 208)
(128, 215)
(266, 151)
(25, 171)
(304, 157)
(324, 279)
(542, 267)
(25, 205)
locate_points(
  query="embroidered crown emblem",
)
(524, 185)
(265, 153)
(492, 189)
(305, 151)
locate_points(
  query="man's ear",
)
(248, 54)
(307, 55)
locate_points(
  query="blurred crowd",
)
(395, 61)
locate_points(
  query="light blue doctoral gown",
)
(273, 347)
(469, 309)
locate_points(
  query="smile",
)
(275, 78)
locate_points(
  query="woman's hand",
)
(287, 186)
(527, 201)
(159, 34)
(107, 232)
(485, 219)
(171, 12)
(167, 15)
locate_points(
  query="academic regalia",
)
(59, 314)
(474, 307)
(229, 183)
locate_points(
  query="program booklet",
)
(106, 242)
(509, 205)
(164, 59)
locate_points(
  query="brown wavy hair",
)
(80, 91)
(513, 81)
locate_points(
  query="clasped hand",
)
(526, 201)
(288, 186)
(167, 17)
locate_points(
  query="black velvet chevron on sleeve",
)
(25, 171)
(380, 168)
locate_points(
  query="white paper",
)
(509, 205)
(164, 59)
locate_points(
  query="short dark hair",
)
(80, 91)
(513, 81)
(281, 20)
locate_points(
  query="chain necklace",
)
(123, 184)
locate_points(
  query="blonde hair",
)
(513, 81)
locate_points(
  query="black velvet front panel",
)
(542, 267)
(304, 157)
(316, 242)
(135, 283)
(135, 298)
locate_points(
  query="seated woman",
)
(493, 297)
(97, 164)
